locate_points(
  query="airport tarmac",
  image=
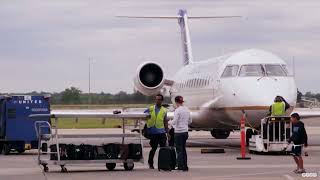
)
(202, 166)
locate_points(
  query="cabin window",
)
(251, 70)
(274, 70)
(230, 71)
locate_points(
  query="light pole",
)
(89, 98)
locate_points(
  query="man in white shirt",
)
(181, 122)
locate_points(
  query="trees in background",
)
(71, 96)
(74, 95)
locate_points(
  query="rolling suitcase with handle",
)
(167, 159)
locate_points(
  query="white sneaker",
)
(300, 171)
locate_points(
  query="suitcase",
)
(62, 151)
(87, 152)
(124, 151)
(112, 150)
(135, 151)
(71, 151)
(100, 153)
(167, 159)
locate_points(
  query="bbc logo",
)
(309, 175)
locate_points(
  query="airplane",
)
(218, 90)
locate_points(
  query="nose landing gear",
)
(220, 133)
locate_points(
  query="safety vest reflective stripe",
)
(278, 109)
(156, 120)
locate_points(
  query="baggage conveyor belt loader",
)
(273, 136)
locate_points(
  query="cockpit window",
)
(251, 70)
(230, 71)
(275, 70)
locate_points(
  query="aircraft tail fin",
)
(182, 18)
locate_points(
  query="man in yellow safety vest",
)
(157, 127)
(279, 107)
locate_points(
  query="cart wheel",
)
(128, 166)
(45, 168)
(111, 166)
(6, 149)
(64, 169)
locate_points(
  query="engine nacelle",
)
(149, 79)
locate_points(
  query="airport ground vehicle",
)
(273, 136)
(16, 128)
(53, 137)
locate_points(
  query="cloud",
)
(45, 45)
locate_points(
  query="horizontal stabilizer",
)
(182, 18)
(176, 17)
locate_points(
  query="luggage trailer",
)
(273, 136)
(17, 131)
(53, 137)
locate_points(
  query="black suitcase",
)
(112, 150)
(87, 152)
(74, 152)
(100, 153)
(124, 151)
(135, 151)
(62, 151)
(167, 159)
(71, 151)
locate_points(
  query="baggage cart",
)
(54, 137)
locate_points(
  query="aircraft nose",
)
(263, 92)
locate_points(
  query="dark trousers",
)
(155, 140)
(180, 142)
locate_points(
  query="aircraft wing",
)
(133, 113)
(96, 113)
(307, 112)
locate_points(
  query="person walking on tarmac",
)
(299, 138)
(181, 122)
(279, 107)
(157, 127)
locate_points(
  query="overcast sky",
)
(45, 45)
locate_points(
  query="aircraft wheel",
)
(220, 133)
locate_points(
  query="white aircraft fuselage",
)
(220, 101)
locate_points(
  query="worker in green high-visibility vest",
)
(279, 107)
(157, 127)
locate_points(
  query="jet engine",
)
(149, 79)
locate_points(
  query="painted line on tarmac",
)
(19, 171)
(255, 166)
(249, 174)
